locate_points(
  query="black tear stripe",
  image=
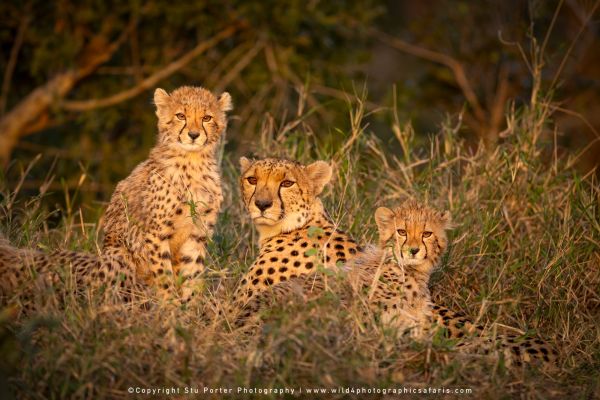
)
(423, 241)
(205, 133)
(402, 245)
(281, 202)
(251, 196)
(406, 238)
(181, 130)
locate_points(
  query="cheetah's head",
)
(414, 232)
(191, 118)
(281, 195)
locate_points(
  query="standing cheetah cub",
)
(160, 217)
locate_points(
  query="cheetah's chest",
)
(401, 297)
(287, 256)
(198, 194)
(197, 203)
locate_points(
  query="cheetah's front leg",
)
(191, 264)
(159, 256)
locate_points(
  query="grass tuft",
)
(524, 254)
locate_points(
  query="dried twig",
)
(454, 65)
(149, 82)
(28, 111)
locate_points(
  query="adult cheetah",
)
(296, 236)
(159, 217)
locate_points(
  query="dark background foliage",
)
(410, 55)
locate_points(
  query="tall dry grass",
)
(524, 256)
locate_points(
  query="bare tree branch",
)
(14, 53)
(152, 80)
(14, 123)
(239, 66)
(454, 65)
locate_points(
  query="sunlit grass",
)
(524, 253)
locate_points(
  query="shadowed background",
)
(77, 77)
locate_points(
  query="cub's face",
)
(281, 193)
(191, 117)
(415, 232)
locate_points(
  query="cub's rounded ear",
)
(319, 174)
(225, 102)
(161, 97)
(445, 219)
(384, 217)
(244, 164)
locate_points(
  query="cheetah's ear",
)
(245, 164)
(384, 217)
(445, 219)
(161, 97)
(225, 102)
(319, 174)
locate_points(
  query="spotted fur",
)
(159, 217)
(296, 236)
(393, 280)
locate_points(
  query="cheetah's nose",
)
(414, 250)
(263, 204)
(193, 135)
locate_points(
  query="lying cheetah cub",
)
(159, 217)
(412, 240)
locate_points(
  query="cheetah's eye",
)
(287, 183)
(206, 118)
(401, 232)
(426, 234)
(180, 115)
(252, 180)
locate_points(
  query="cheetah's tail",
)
(519, 349)
(528, 350)
(19, 265)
